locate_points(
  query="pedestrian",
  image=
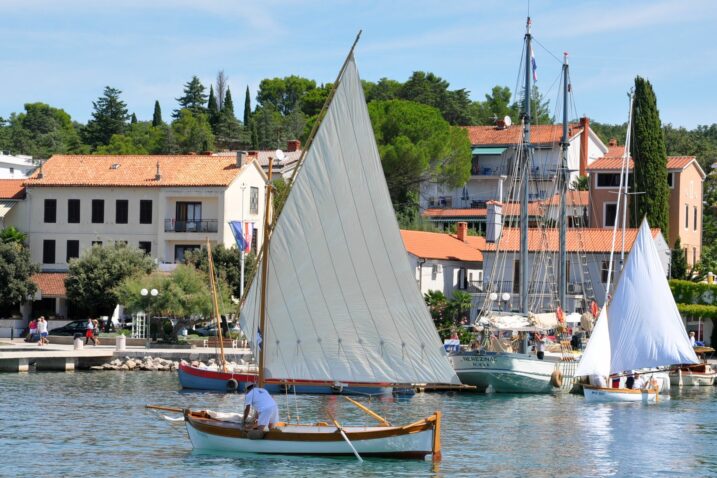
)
(32, 332)
(42, 330)
(96, 331)
(264, 404)
(90, 331)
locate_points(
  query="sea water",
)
(85, 424)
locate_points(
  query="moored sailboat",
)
(334, 299)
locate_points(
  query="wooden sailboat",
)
(335, 299)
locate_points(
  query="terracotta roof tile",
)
(614, 163)
(130, 170)
(436, 245)
(594, 239)
(12, 189)
(539, 134)
(51, 284)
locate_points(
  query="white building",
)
(444, 262)
(281, 168)
(15, 166)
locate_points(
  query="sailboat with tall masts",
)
(492, 368)
(335, 299)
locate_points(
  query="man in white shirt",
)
(266, 407)
(639, 382)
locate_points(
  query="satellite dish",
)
(507, 121)
(280, 155)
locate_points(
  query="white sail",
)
(342, 300)
(596, 358)
(646, 329)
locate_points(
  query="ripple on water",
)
(72, 424)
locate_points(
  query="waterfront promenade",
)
(18, 356)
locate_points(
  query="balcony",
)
(203, 225)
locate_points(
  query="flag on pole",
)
(248, 235)
(534, 65)
(243, 242)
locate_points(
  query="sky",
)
(65, 53)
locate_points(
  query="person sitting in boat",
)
(264, 404)
(639, 382)
(598, 381)
(630, 381)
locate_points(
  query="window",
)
(73, 211)
(50, 210)
(670, 179)
(254, 239)
(73, 250)
(604, 271)
(12, 171)
(97, 243)
(695, 217)
(687, 216)
(146, 246)
(608, 180)
(145, 211)
(610, 214)
(179, 251)
(516, 277)
(253, 200)
(98, 211)
(48, 251)
(189, 216)
(121, 211)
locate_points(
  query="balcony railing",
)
(204, 225)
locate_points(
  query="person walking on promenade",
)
(96, 331)
(90, 332)
(42, 330)
(32, 332)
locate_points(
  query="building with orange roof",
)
(495, 151)
(12, 193)
(445, 262)
(685, 178)
(281, 168)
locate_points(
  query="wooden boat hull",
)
(698, 376)
(416, 440)
(511, 372)
(601, 394)
(202, 379)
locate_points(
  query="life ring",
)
(556, 378)
(232, 385)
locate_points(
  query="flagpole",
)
(243, 228)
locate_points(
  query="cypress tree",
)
(650, 157)
(228, 104)
(678, 267)
(212, 109)
(133, 119)
(247, 107)
(157, 116)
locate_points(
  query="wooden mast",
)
(264, 267)
(215, 306)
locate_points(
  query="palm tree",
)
(436, 302)
(460, 305)
(11, 234)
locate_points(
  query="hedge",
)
(693, 293)
(698, 311)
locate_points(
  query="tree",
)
(650, 158)
(133, 119)
(581, 183)
(313, 100)
(496, 106)
(432, 90)
(416, 144)
(437, 303)
(16, 270)
(93, 277)
(385, 89)
(41, 131)
(193, 132)
(228, 107)
(227, 262)
(678, 266)
(193, 99)
(212, 110)
(228, 131)
(141, 138)
(284, 94)
(157, 115)
(108, 118)
(247, 107)
(11, 234)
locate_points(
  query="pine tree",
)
(247, 107)
(194, 98)
(108, 118)
(157, 116)
(650, 159)
(212, 109)
(133, 119)
(678, 267)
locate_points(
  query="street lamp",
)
(139, 324)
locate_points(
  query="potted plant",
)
(121, 339)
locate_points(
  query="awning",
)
(5, 207)
(488, 150)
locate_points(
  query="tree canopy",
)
(193, 98)
(108, 118)
(16, 270)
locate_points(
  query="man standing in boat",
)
(264, 404)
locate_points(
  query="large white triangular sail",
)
(596, 358)
(646, 329)
(342, 300)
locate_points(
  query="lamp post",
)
(143, 327)
(241, 285)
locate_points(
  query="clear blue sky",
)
(65, 52)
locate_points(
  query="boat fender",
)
(232, 385)
(556, 378)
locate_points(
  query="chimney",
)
(293, 145)
(500, 124)
(240, 158)
(612, 142)
(494, 221)
(157, 176)
(585, 124)
(253, 153)
(462, 231)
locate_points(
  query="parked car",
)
(71, 328)
(206, 331)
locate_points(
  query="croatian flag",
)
(242, 234)
(534, 65)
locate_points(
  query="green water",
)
(94, 424)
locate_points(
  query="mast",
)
(563, 181)
(527, 159)
(215, 305)
(264, 269)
